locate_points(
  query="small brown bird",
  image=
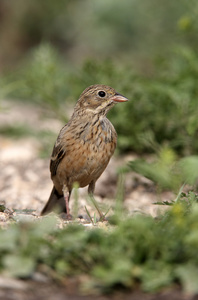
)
(84, 146)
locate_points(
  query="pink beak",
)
(119, 98)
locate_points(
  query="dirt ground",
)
(25, 184)
(31, 290)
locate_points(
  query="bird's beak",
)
(119, 98)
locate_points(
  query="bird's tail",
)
(55, 203)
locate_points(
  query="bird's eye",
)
(101, 94)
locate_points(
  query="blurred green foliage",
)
(80, 29)
(145, 50)
(43, 80)
(167, 170)
(162, 108)
(155, 253)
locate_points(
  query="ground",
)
(37, 291)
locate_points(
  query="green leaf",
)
(155, 276)
(18, 265)
(189, 167)
(188, 275)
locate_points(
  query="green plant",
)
(162, 107)
(154, 252)
(167, 170)
(43, 80)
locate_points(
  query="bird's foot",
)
(65, 216)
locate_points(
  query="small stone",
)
(10, 283)
(4, 217)
(24, 218)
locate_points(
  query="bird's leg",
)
(90, 192)
(91, 188)
(66, 194)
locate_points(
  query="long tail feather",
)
(55, 203)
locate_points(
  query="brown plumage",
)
(84, 146)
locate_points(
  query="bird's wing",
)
(57, 155)
(58, 152)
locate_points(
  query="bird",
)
(83, 147)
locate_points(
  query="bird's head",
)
(98, 99)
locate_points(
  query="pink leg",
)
(66, 194)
